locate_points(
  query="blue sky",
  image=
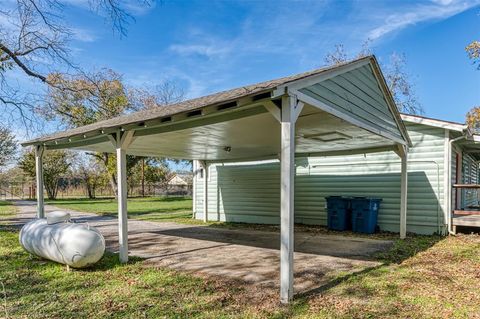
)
(208, 46)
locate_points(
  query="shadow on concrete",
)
(337, 246)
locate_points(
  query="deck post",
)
(39, 150)
(205, 167)
(122, 141)
(403, 153)
(290, 111)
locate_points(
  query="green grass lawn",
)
(158, 209)
(439, 280)
(7, 210)
(35, 288)
(420, 277)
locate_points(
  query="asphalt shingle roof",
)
(189, 105)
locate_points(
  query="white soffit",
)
(434, 122)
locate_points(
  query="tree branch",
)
(21, 65)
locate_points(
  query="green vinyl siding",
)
(357, 94)
(251, 193)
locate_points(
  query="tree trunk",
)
(51, 187)
(111, 176)
(113, 183)
(89, 190)
(143, 177)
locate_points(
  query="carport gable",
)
(356, 94)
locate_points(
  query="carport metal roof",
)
(344, 109)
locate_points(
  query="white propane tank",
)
(75, 245)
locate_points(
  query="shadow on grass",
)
(5, 203)
(335, 282)
(110, 261)
(401, 250)
(156, 214)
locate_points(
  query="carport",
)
(339, 110)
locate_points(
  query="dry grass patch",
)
(441, 282)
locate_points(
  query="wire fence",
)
(27, 190)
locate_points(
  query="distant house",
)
(181, 180)
(180, 184)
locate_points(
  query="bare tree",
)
(473, 116)
(88, 98)
(337, 56)
(165, 93)
(397, 78)
(401, 86)
(34, 38)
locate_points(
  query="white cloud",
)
(138, 8)
(438, 10)
(443, 2)
(208, 50)
(83, 35)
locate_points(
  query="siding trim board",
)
(446, 175)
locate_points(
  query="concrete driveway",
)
(250, 256)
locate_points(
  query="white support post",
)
(39, 150)
(290, 111)
(122, 204)
(194, 188)
(205, 166)
(403, 192)
(122, 141)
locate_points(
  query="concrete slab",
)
(251, 256)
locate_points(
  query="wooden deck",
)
(466, 212)
(465, 221)
(471, 186)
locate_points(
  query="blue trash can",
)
(338, 213)
(364, 214)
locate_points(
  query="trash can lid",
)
(334, 197)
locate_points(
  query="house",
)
(180, 180)
(180, 184)
(442, 153)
